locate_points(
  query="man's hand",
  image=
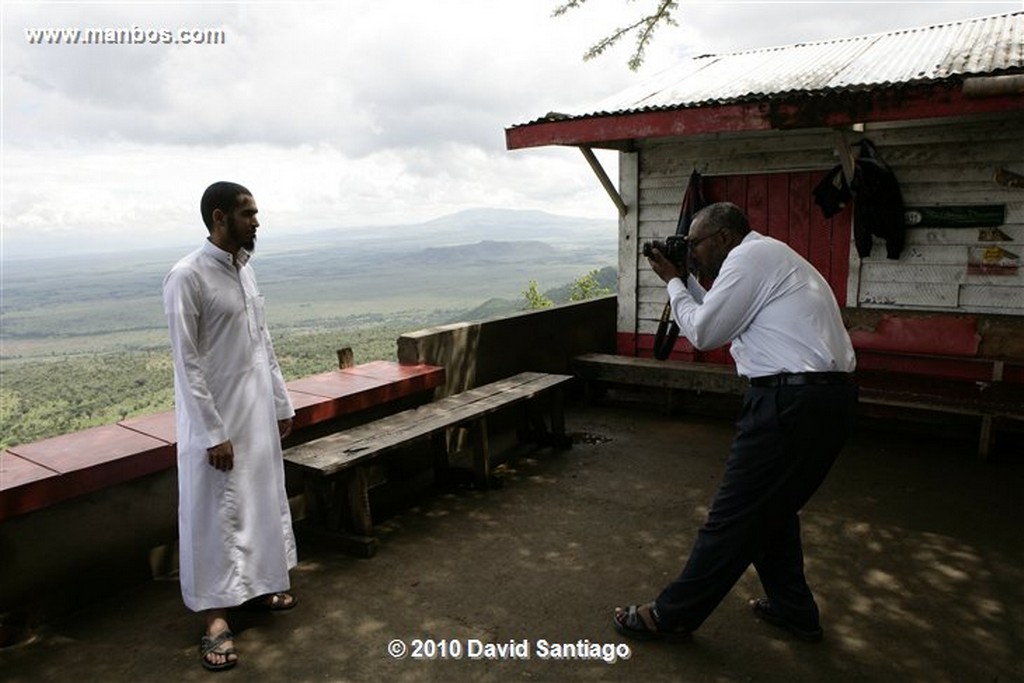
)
(222, 456)
(284, 428)
(662, 267)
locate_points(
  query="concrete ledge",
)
(37, 475)
(546, 340)
(83, 462)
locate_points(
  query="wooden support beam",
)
(606, 182)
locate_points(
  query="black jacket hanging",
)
(877, 201)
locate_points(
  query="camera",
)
(673, 249)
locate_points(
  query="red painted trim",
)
(977, 369)
(625, 344)
(809, 111)
(603, 129)
(642, 346)
(946, 335)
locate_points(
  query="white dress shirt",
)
(775, 308)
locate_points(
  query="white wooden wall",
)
(939, 162)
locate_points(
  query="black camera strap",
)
(693, 201)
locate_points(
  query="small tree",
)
(534, 299)
(587, 287)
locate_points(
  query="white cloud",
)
(363, 112)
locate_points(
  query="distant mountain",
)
(484, 251)
(469, 227)
(463, 227)
(516, 223)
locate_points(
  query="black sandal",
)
(211, 645)
(631, 624)
(762, 608)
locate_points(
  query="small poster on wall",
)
(992, 261)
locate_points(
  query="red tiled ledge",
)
(36, 475)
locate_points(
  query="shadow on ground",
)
(913, 548)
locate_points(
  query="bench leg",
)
(985, 439)
(439, 448)
(330, 507)
(559, 438)
(360, 541)
(360, 520)
(481, 454)
(594, 391)
(554, 404)
(321, 502)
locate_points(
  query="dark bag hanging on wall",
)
(693, 201)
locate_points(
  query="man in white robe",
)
(232, 410)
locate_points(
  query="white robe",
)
(235, 528)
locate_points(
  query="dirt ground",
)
(914, 550)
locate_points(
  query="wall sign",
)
(955, 216)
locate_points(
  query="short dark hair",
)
(221, 195)
(725, 216)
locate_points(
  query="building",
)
(944, 107)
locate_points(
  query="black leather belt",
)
(801, 379)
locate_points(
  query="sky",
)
(338, 115)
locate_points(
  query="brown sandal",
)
(272, 602)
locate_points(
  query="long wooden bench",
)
(669, 374)
(340, 468)
(989, 400)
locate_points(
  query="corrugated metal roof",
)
(982, 46)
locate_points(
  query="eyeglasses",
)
(694, 242)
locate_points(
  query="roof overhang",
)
(799, 110)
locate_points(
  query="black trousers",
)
(787, 439)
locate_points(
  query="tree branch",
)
(644, 27)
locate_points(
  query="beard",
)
(243, 237)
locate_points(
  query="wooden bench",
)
(340, 468)
(952, 364)
(989, 399)
(599, 369)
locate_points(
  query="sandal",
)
(763, 609)
(272, 602)
(211, 645)
(631, 623)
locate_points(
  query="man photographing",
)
(787, 336)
